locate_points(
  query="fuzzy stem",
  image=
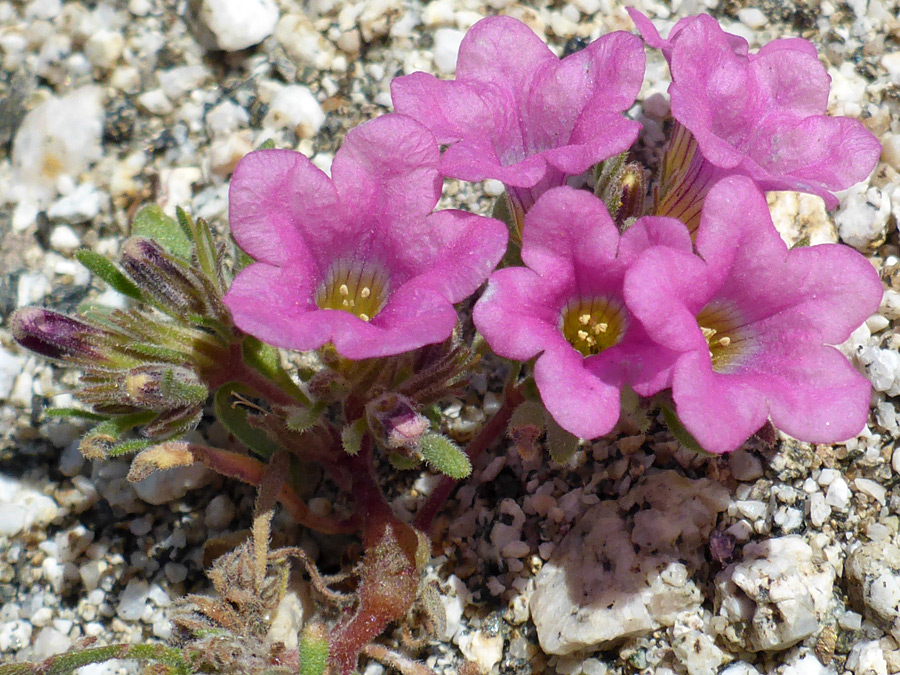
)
(389, 575)
(494, 428)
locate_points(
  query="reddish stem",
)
(495, 428)
(389, 576)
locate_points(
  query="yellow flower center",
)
(360, 288)
(723, 331)
(593, 324)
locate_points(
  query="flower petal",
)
(578, 400)
(281, 207)
(517, 314)
(386, 173)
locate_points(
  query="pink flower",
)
(752, 321)
(761, 115)
(519, 114)
(567, 308)
(355, 259)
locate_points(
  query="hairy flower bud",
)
(162, 277)
(57, 336)
(395, 423)
(162, 387)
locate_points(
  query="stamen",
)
(725, 334)
(358, 287)
(593, 324)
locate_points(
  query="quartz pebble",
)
(446, 47)
(295, 107)
(773, 598)
(21, 507)
(616, 576)
(233, 25)
(863, 216)
(60, 137)
(872, 571)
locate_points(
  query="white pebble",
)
(295, 107)
(237, 24)
(14, 635)
(155, 102)
(863, 216)
(50, 641)
(133, 600)
(10, 367)
(60, 137)
(838, 495)
(871, 488)
(819, 511)
(219, 513)
(103, 48)
(446, 48)
(752, 17)
(22, 506)
(179, 82)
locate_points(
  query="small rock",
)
(10, 367)
(179, 82)
(696, 650)
(60, 137)
(219, 513)
(14, 635)
(295, 107)
(21, 506)
(155, 102)
(622, 573)
(79, 206)
(50, 641)
(446, 48)
(162, 487)
(872, 571)
(226, 118)
(752, 17)
(292, 612)
(103, 48)
(867, 658)
(233, 25)
(872, 489)
(819, 511)
(775, 596)
(838, 495)
(863, 216)
(483, 649)
(133, 600)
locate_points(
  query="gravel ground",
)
(779, 558)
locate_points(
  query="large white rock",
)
(21, 506)
(233, 25)
(624, 569)
(872, 571)
(775, 596)
(60, 137)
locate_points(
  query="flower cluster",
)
(698, 295)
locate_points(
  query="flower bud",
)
(395, 423)
(633, 190)
(57, 336)
(162, 387)
(166, 280)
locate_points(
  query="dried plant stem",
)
(170, 661)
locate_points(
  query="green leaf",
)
(561, 443)
(681, 434)
(104, 268)
(75, 412)
(185, 393)
(185, 221)
(268, 144)
(445, 456)
(152, 222)
(156, 352)
(313, 650)
(207, 255)
(235, 420)
(130, 447)
(267, 360)
(352, 436)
